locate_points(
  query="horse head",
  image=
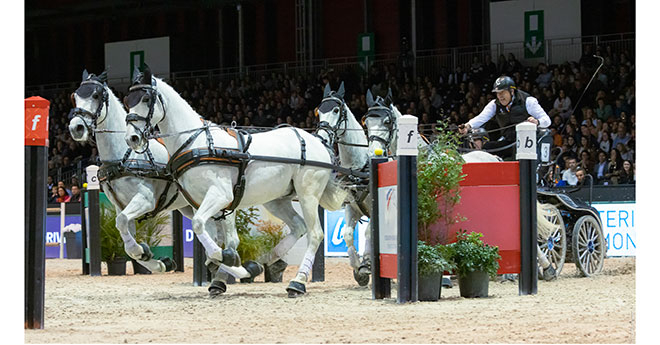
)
(145, 110)
(332, 114)
(380, 121)
(90, 106)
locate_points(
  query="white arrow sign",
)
(534, 46)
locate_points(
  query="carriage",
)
(578, 236)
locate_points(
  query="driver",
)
(512, 106)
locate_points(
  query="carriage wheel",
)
(588, 246)
(554, 247)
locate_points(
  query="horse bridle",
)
(333, 131)
(385, 113)
(82, 113)
(136, 94)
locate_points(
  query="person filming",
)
(511, 107)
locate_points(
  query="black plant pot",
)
(139, 269)
(473, 284)
(428, 287)
(117, 267)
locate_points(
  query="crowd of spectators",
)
(599, 133)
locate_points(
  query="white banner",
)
(122, 57)
(387, 219)
(618, 227)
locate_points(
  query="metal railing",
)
(428, 62)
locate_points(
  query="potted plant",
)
(431, 263)
(149, 231)
(112, 245)
(474, 262)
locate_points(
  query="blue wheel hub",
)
(551, 243)
(590, 246)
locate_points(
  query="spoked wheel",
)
(588, 246)
(554, 246)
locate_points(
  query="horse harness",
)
(87, 88)
(380, 111)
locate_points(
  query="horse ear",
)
(147, 75)
(85, 75)
(327, 90)
(370, 99)
(389, 96)
(341, 91)
(103, 78)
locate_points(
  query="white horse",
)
(381, 122)
(337, 125)
(136, 184)
(210, 178)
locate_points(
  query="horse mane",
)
(172, 104)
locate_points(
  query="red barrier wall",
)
(490, 200)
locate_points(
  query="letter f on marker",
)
(35, 120)
(410, 134)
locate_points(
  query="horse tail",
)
(333, 195)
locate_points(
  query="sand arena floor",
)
(167, 308)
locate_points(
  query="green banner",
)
(534, 37)
(366, 50)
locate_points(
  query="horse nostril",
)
(135, 139)
(80, 128)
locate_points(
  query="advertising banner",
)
(618, 228)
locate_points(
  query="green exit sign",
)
(534, 37)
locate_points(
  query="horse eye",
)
(95, 96)
(336, 110)
(145, 100)
(387, 121)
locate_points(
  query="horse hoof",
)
(230, 257)
(254, 268)
(217, 288)
(446, 283)
(273, 273)
(361, 277)
(549, 273)
(147, 254)
(296, 289)
(170, 265)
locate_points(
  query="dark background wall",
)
(64, 36)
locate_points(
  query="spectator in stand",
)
(601, 168)
(605, 143)
(512, 65)
(626, 154)
(562, 105)
(626, 175)
(615, 165)
(621, 106)
(603, 111)
(501, 65)
(568, 175)
(490, 69)
(585, 161)
(52, 198)
(621, 135)
(544, 76)
(62, 195)
(580, 174)
(75, 193)
(49, 183)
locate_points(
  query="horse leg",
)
(215, 200)
(309, 205)
(549, 272)
(352, 215)
(141, 203)
(274, 266)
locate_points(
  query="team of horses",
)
(206, 171)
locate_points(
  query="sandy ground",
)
(167, 308)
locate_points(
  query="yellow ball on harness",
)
(378, 152)
(85, 185)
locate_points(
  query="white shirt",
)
(531, 104)
(569, 177)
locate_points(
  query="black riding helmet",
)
(503, 83)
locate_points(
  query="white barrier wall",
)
(618, 228)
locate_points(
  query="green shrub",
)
(112, 245)
(469, 253)
(430, 260)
